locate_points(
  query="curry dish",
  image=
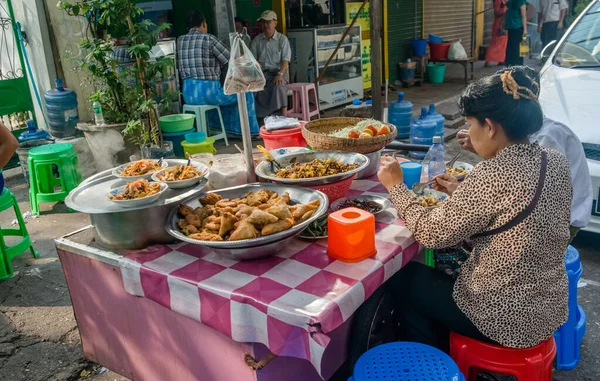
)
(178, 173)
(138, 189)
(456, 171)
(428, 201)
(316, 168)
(257, 214)
(141, 167)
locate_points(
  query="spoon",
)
(418, 188)
(451, 162)
(269, 157)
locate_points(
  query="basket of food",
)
(348, 134)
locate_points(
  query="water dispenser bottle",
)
(422, 131)
(33, 133)
(439, 121)
(61, 107)
(400, 115)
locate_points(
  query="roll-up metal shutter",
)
(404, 25)
(450, 19)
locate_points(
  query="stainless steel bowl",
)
(258, 247)
(266, 171)
(373, 167)
(383, 202)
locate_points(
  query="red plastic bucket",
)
(439, 51)
(289, 137)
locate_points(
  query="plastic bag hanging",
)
(244, 73)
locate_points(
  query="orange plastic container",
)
(351, 235)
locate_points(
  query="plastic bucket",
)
(176, 123)
(439, 51)
(419, 47)
(291, 137)
(435, 39)
(177, 138)
(435, 73)
(407, 74)
(23, 154)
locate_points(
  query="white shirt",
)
(550, 9)
(557, 136)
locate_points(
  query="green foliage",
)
(126, 92)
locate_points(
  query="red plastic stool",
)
(531, 364)
(301, 101)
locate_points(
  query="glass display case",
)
(311, 48)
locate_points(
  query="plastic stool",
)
(568, 337)
(52, 166)
(429, 257)
(404, 361)
(202, 121)
(530, 364)
(301, 101)
(7, 253)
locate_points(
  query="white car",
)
(571, 90)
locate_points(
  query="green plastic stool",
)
(7, 253)
(53, 173)
(429, 258)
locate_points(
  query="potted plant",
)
(125, 91)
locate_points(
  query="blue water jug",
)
(439, 121)
(33, 133)
(400, 115)
(61, 107)
(422, 131)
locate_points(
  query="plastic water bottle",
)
(98, 115)
(437, 165)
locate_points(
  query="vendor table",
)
(180, 312)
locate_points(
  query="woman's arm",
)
(468, 211)
(8, 145)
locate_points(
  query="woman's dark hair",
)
(240, 20)
(508, 98)
(195, 19)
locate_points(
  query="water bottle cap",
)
(31, 125)
(369, 102)
(59, 84)
(437, 139)
(423, 112)
(400, 96)
(431, 108)
(357, 102)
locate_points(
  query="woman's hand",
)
(445, 183)
(390, 173)
(465, 141)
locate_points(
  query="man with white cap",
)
(273, 52)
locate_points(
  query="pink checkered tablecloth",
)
(288, 302)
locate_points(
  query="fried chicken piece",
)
(184, 210)
(203, 212)
(190, 229)
(194, 219)
(210, 199)
(182, 223)
(261, 218)
(244, 230)
(281, 211)
(227, 223)
(277, 227)
(205, 236)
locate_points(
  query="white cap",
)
(268, 16)
(437, 139)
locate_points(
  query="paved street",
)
(38, 333)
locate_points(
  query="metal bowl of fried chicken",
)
(246, 222)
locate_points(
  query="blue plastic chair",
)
(568, 337)
(404, 361)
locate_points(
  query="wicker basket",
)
(316, 135)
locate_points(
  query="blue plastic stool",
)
(568, 337)
(404, 361)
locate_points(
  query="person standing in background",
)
(240, 25)
(496, 52)
(551, 18)
(8, 147)
(515, 22)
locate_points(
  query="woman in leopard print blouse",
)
(513, 209)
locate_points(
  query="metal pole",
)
(376, 21)
(246, 138)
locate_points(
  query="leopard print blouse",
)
(514, 286)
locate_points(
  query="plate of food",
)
(431, 198)
(137, 193)
(313, 167)
(459, 170)
(181, 176)
(141, 169)
(247, 216)
(317, 229)
(370, 203)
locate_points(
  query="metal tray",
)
(91, 196)
(265, 170)
(297, 196)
